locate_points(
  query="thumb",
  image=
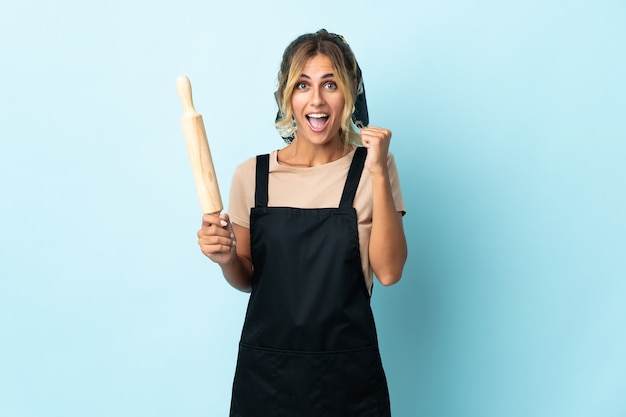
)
(224, 220)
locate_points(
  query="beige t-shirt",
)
(315, 187)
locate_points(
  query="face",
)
(317, 103)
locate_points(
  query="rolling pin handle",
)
(183, 86)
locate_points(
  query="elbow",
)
(239, 286)
(389, 278)
(245, 288)
(390, 273)
(388, 269)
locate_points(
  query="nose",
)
(317, 98)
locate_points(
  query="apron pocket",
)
(272, 383)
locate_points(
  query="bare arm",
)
(228, 245)
(387, 248)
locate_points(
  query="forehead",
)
(319, 65)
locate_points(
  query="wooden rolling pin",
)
(199, 151)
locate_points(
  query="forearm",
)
(238, 273)
(387, 247)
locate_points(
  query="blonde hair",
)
(346, 71)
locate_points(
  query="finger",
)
(213, 244)
(213, 234)
(210, 219)
(224, 240)
(226, 223)
(220, 238)
(216, 247)
(215, 250)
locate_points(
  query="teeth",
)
(317, 115)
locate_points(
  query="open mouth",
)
(317, 121)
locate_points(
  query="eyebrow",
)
(329, 75)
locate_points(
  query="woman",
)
(308, 227)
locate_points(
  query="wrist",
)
(380, 174)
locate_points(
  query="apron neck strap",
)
(354, 176)
(349, 190)
(262, 173)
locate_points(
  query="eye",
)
(331, 85)
(301, 85)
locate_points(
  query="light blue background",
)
(509, 133)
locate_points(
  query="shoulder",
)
(247, 168)
(246, 165)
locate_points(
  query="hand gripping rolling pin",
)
(199, 151)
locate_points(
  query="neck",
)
(304, 154)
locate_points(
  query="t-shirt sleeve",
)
(241, 198)
(394, 179)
